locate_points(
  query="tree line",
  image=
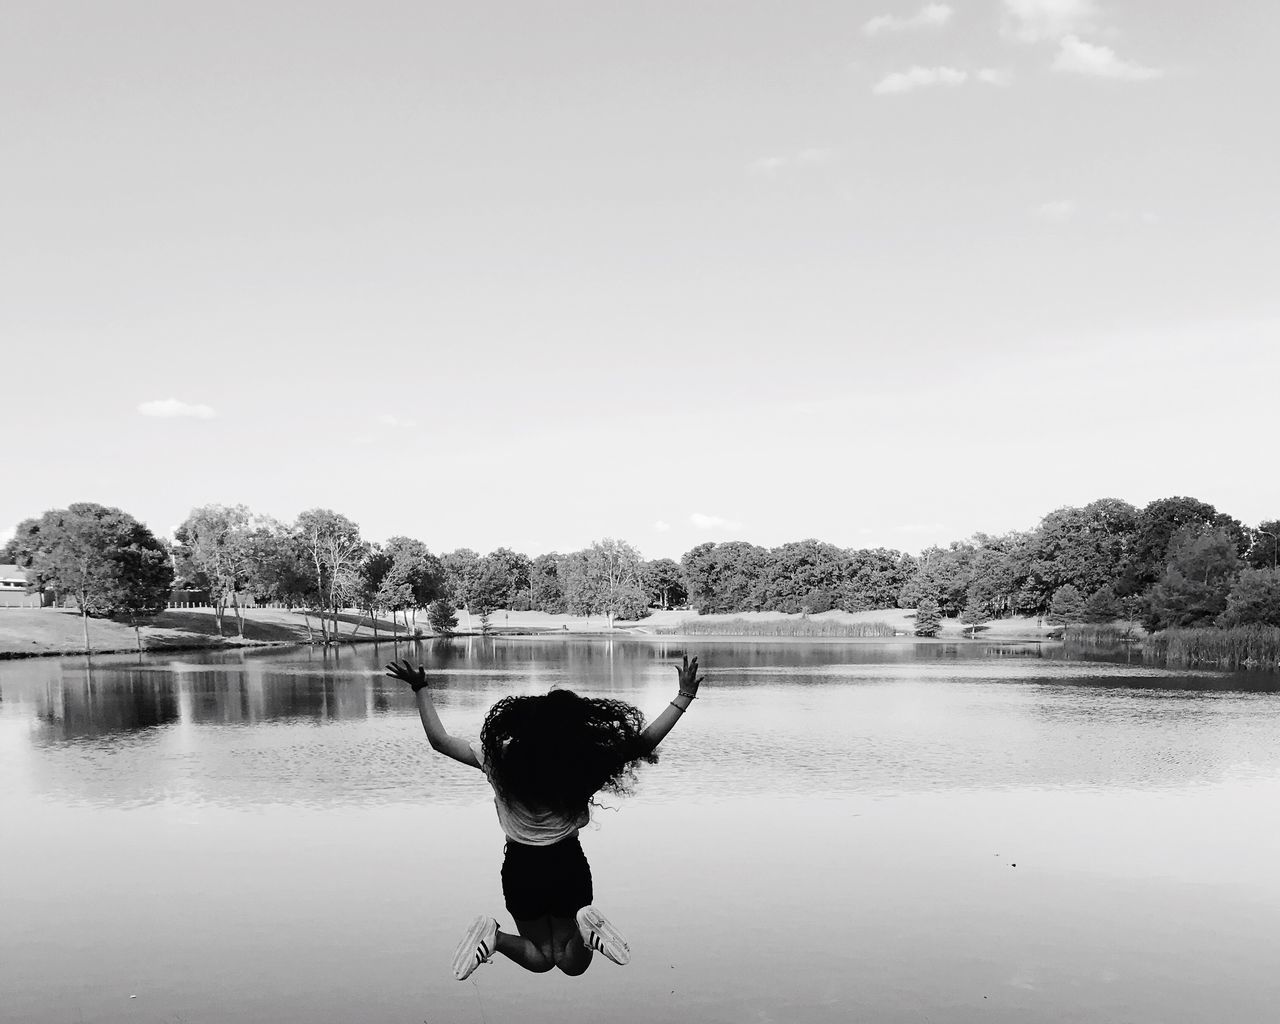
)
(110, 564)
(1175, 562)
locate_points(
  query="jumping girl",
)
(546, 757)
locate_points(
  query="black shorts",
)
(542, 880)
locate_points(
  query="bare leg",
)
(532, 948)
(569, 952)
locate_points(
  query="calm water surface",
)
(831, 835)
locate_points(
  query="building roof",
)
(12, 573)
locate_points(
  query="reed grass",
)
(1099, 635)
(802, 627)
(1234, 648)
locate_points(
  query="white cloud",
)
(1032, 21)
(995, 76)
(6, 535)
(1081, 58)
(810, 157)
(169, 408)
(918, 78)
(1057, 211)
(929, 16)
(703, 522)
(661, 526)
(391, 420)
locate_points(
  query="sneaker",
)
(599, 934)
(476, 947)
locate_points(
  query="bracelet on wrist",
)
(678, 707)
(691, 696)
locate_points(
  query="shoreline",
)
(684, 639)
(58, 633)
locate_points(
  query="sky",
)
(536, 273)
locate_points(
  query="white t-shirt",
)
(526, 824)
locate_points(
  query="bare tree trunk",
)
(374, 619)
(84, 615)
(137, 633)
(311, 637)
(218, 606)
(235, 607)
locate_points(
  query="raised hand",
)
(413, 675)
(689, 678)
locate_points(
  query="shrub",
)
(441, 617)
(1067, 605)
(1102, 606)
(928, 617)
(1254, 599)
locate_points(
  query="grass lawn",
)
(59, 631)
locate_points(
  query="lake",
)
(835, 832)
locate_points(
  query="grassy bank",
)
(53, 631)
(880, 623)
(49, 631)
(791, 627)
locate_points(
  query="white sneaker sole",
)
(475, 948)
(599, 934)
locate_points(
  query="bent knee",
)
(546, 960)
(573, 961)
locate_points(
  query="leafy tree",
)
(796, 576)
(545, 591)
(992, 585)
(605, 580)
(1264, 551)
(1067, 605)
(1197, 579)
(102, 557)
(664, 581)
(335, 550)
(281, 569)
(213, 548)
(1254, 599)
(1085, 547)
(1103, 606)
(516, 569)
(370, 578)
(145, 579)
(441, 617)
(873, 578)
(723, 577)
(1154, 531)
(942, 574)
(415, 579)
(928, 617)
(490, 588)
(461, 568)
(973, 615)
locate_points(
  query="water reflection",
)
(328, 728)
(261, 824)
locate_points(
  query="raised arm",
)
(689, 681)
(451, 746)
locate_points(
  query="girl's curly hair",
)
(557, 750)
